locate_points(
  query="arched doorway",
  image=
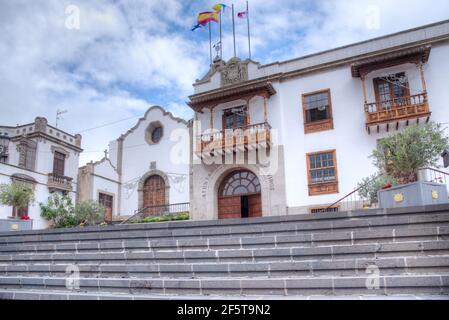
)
(154, 195)
(239, 196)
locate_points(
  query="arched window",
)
(240, 183)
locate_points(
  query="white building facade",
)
(296, 136)
(146, 169)
(43, 157)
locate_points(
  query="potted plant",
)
(369, 188)
(16, 195)
(400, 157)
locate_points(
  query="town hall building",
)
(295, 136)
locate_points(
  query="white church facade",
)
(146, 170)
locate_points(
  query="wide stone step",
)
(372, 251)
(32, 294)
(288, 225)
(382, 285)
(351, 267)
(306, 240)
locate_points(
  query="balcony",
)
(396, 112)
(250, 137)
(59, 183)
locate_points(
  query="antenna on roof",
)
(59, 114)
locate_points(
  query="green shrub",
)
(165, 218)
(371, 185)
(59, 211)
(17, 195)
(89, 212)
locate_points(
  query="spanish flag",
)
(206, 17)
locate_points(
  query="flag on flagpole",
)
(242, 14)
(206, 17)
(219, 7)
(198, 26)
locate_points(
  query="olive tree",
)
(17, 195)
(403, 154)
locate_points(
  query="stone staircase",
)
(324, 255)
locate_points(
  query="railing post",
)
(423, 80)
(365, 98)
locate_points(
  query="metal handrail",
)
(139, 212)
(351, 193)
(436, 170)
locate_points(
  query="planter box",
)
(15, 225)
(413, 194)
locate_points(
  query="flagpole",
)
(249, 34)
(233, 30)
(221, 43)
(210, 42)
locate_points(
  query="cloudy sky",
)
(128, 55)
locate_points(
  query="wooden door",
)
(154, 195)
(229, 208)
(255, 205)
(107, 202)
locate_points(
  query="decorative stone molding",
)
(24, 179)
(142, 180)
(215, 179)
(78, 139)
(57, 183)
(233, 72)
(149, 132)
(40, 124)
(60, 150)
(145, 117)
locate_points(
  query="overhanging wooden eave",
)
(226, 94)
(411, 55)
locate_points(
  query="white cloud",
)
(131, 54)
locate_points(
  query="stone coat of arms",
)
(234, 71)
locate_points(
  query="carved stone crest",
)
(234, 71)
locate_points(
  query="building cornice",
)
(430, 35)
(39, 134)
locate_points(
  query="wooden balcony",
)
(250, 137)
(394, 113)
(59, 183)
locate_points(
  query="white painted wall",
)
(352, 143)
(106, 180)
(349, 137)
(44, 166)
(171, 155)
(138, 155)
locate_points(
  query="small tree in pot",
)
(399, 158)
(402, 155)
(17, 195)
